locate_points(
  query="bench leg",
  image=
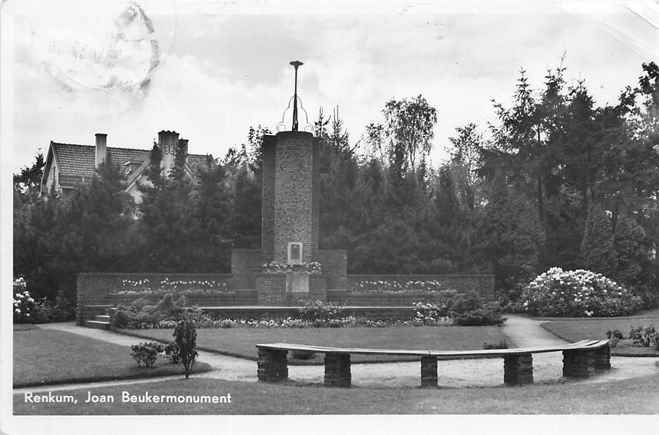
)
(603, 358)
(272, 365)
(337, 370)
(580, 363)
(518, 369)
(428, 371)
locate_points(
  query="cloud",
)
(218, 73)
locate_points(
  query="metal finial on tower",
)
(296, 64)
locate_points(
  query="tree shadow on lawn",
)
(47, 357)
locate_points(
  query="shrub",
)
(169, 308)
(616, 333)
(614, 337)
(463, 303)
(500, 345)
(644, 336)
(173, 353)
(122, 318)
(578, 293)
(320, 311)
(185, 336)
(47, 311)
(302, 354)
(479, 317)
(146, 353)
(23, 302)
(427, 313)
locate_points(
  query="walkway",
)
(456, 373)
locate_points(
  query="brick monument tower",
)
(289, 208)
(290, 267)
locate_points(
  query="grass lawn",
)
(48, 357)
(242, 341)
(573, 329)
(635, 396)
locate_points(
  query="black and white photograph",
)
(329, 217)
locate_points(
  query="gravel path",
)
(521, 331)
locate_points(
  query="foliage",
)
(147, 312)
(302, 354)
(23, 302)
(312, 267)
(430, 314)
(614, 337)
(60, 310)
(500, 345)
(399, 286)
(146, 353)
(122, 318)
(645, 336)
(320, 311)
(579, 293)
(172, 352)
(479, 317)
(556, 180)
(185, 337)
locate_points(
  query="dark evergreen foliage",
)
(557, 181)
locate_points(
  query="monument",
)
(290, 267)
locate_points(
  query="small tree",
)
(185, 337)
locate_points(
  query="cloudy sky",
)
(210, 69)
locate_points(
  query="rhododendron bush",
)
(577, 293)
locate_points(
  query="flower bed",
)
(577, 293)
(400, 287)
(461, 310)
(311, 268)
(143, 287)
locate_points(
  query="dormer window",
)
(294, 253)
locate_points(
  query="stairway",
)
(100, 321)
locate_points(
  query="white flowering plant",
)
(311, 268)
(189, 287)
(23, 302)
(399, 286)
(577, 293)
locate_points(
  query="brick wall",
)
(271, 288)
(357, 295)
(483, 284)
(295, 179)
(245, 263)
(118, 288)
(335, 267)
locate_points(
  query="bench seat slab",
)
(428, 371)
(518, 369)
(337, 370)
(272, 365)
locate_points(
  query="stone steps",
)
(98, 324)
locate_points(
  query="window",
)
(294, 253)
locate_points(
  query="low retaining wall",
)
(401, 290)
(224, 289)
(280, 313)
(208, 289)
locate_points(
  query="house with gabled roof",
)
(70, 165)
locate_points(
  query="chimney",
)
(167, 142)
(183, 143)
(101, 148)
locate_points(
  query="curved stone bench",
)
(580, 360)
